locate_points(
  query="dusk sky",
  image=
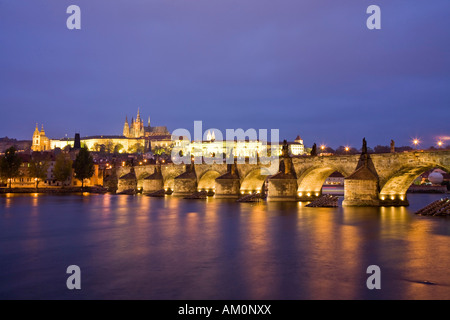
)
(309, 68)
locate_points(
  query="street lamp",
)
(416, 142)
(347, 149)
(440, 143)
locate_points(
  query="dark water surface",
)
(149, 248)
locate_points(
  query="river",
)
(137, 247)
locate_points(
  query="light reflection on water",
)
(150, 248)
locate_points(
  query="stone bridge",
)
(370, 179)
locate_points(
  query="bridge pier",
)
(154, 182)
(186, 183)
(283, 185)
(227, 188)
(282, 188)
(361, 193)
(127, 182)
(228, 185)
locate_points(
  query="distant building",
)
(336, 178)
(19, 145)
(135, 137)
(24, 180)
(40, 142)
(297, 147)
(240, 148)
(136, 128)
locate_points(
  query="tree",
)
(63, 168)
(117, 148)
(96, 147)
(109, 146)
(346, 150)
(37, 169)
(382, 149)
(314, 150)
(136, 148)
(9, 165)
(83, 165)
(328, 150)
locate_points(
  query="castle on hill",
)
(134, 134)
(136, 128)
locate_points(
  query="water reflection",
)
(170, 248)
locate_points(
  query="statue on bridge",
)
(364, 146)
(285, 150)
(314, 150)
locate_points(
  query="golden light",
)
(347, 148)
(416, 142)
(308, 194)
(123, 163)
(140, 163)
(322, 147)
(440, 143)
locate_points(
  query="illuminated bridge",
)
(370, 179)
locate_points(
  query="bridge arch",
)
(207, 181)
(310, 181)
(396, 185)
(254, 180)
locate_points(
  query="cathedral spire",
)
(36, 131)
(138, 118)
(126, 128)
(149, 121)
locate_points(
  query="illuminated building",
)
(240, 148)
(135, 137)
(40, 141)
(136, 128)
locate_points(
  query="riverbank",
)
(65, 190)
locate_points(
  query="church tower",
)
(40, 141)
(36, 139)
(139, 131)
(126, 128)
